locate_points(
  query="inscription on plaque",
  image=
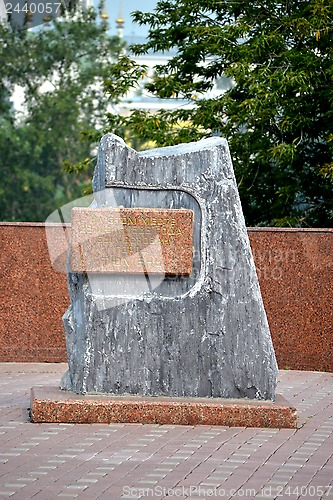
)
(132, 240)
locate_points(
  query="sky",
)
(128, 6)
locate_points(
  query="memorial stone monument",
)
(164, 296)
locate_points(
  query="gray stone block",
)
(203, 335)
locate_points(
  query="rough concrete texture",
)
(202, 336)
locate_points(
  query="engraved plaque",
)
(132, 240)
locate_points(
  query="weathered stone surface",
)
(205, 335)
(132, 240)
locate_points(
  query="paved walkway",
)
(118, 461)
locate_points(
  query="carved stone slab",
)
(194, 336)
(132, 240)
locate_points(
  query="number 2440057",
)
(39, 7)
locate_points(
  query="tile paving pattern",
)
(131, 461)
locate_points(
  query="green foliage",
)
(60, 68)
(277, 116)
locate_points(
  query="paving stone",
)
(68, 495)
(208, 464)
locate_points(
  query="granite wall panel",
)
(33, 297)
(295, 269)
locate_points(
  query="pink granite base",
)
(52, 405)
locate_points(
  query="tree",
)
(60, 67)
(277, 116)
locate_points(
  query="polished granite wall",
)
(295, 269)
